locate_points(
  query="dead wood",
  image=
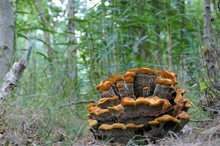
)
(12, 77)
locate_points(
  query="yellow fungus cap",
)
(145, 88)
(129, 79)
(164, 118)
(120, 126)
(92, 122)
(168, 74)
(118, 108)
(90, 105)
(144, 70)
(151, 101)
(164, 81)
(119, 85)
(105, 99)
(128, 101)
(113, 126)
(129, 74)
(98, 111)
(133, 126)
(184, 115)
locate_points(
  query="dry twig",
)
(79, 102)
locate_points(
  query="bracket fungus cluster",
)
(142, 103)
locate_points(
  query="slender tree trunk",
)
(210, 51)
(72, 52)
(181, 6)
(158, 30)
(6, 36)
(47, 39)
(142, 46)
(169, 47)
(207, 24)
(159, 53)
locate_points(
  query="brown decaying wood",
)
(12, 77)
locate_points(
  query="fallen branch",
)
(12, 77)
(79, 102)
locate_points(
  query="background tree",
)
(71, 52)
(211, 50)
(6, 36)
(212, 62)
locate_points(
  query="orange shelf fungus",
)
(134, 126)
(92, 122)
(151, 101)
(103, 100)
(169, 75)
(107, 101)
(184, 115)
(129, 79)
(110, 127)
(118, 108)
(188, 104)
(103, 86)
(167, 105)
(144, 70)
(98, 110)
(119, 85)
(129, 74)
(142, 103)
(145, 88)
(164, 81)
(164, 118)
(128, 101)
(90, 105)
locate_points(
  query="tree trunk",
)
(181, 6)
(47, 44)
(72, 52)
(169, 46)
(6, 36)
(210, 52)
(207, 24)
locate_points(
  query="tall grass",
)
(32, 112)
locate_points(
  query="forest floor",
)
(196, 133)
(206, 134)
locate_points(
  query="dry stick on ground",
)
(79, 102)
(12, 77)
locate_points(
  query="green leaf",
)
(77, 20)
(22, 36)
(45, 56)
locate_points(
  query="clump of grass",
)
(32, 113)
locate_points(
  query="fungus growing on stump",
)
(142, 103)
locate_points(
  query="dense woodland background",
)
(71, 45)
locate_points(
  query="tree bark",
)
(6, 36)
(71, 52)
(210, 51)
(181, 6)
(169, 46)
(47, 40)
(207, 24)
